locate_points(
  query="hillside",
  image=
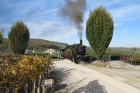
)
(38, 45)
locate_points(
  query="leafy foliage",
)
(5, 45)
(90, 52)
(14, 76)
(134, 60)
(18, 37)
(123, 52)
(99, 30)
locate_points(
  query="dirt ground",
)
(129, 75)
(86, 78)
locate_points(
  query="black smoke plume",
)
(74, 11)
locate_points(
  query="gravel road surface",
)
(76, 78)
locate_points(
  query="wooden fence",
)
(38, 85)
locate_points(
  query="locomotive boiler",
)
(75, 52)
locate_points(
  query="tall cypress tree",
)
(18, 37)
(99, 30)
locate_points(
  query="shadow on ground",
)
(91, 87)
(59, 74)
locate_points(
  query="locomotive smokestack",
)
(81, 42)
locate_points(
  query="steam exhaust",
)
(74, 10)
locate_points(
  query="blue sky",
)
(43, 19)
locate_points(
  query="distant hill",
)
(119, 48)
(124, 48)
(38, 45)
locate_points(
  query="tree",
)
(99, 30)
(1, 39)
(18, 37)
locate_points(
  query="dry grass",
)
(99, 63)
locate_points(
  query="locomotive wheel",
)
(78, 60)
(88, 59)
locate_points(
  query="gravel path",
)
(73, 78)
(129, 76)
(122, 65)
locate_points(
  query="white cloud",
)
(46, 12)
(25, 7)
(125, 12)
(54, 31)
(110, 3)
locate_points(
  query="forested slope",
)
(38, 45)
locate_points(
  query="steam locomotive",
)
(75, 52)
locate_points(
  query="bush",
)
(10, 58)
(54, 56)
(134, 60)
(14, 76)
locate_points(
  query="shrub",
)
(10, 58)
(54, 56)
(134, 60)
(14, 76)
